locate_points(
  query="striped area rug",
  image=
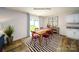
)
(50, 47)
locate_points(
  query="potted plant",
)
(9, 31)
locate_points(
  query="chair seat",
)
(45, 35)
(50, 32)
(35, 36)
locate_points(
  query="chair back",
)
(41, 27)
(33, 32)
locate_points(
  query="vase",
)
(9, 40)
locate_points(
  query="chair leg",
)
(46, 42)
(34, 44)
(32, 41)
(49, 38)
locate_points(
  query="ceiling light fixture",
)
(42, 8)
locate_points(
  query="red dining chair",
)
(35, 37)
(46, 37)
(50, 33)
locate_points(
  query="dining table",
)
(41, 32)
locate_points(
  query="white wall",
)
(62, 24)
(17, 20)
(43, 21)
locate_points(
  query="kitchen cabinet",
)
(76, 18)
(69, 19)
(72, 18)
(72, 26)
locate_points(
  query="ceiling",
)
(47, 11)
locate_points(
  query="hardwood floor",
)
(68, 45)
(58, 43)
(16, 46)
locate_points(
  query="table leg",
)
(40, 40)
(32, 42)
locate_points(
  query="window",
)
(53, 21)
(34, 23)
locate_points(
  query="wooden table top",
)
(43, 31)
